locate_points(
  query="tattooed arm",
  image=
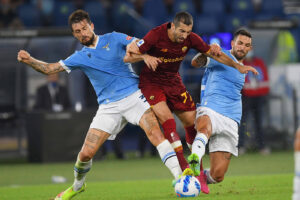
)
(40, 66)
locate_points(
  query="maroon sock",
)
(190, 134)
(172, 136)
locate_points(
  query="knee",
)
(217, 175)
(156, 136)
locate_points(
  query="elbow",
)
(194, 63)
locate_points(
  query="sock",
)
(190, 134)
(199, 144)
(80, 170)
(168, 156)
(169, 127)
(210, 179)
(296, 194)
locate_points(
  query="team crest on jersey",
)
(106, 47)
(151, 97)
(140, 43)
(184, 49)
(128, 37)
(164, 50)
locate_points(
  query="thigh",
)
(153, 93)
(109, 119)
(179, 99)
(133, 107)
(186, 117)
(219, 162)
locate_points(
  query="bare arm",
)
(200, 60)
(133, 55)
(40, 66)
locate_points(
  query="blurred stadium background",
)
(40, 26)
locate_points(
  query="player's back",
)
(221, 89)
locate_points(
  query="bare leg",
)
(151, 127)
(168, 123)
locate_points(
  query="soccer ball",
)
(187, 186)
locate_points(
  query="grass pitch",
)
(250, 176)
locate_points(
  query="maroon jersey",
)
(157, 43)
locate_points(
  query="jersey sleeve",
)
(148, 41)
(198, 43)
(123, 38)
(72, 62)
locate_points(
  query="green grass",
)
(250, 176)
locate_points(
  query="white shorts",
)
(113, 117)
(225, 135)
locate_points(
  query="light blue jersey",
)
(221, 89)
(111, 78)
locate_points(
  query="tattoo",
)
(40, 67)
(45, 68)
(90, 146)
(93, 138)
(150, 120)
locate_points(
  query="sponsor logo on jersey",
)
(128, 37)
(106, 47)
(140, 43)
(164, 50)
(184, 49)
(171, 60)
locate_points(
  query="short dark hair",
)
(78, 16)
(183, 17)
(241, 32)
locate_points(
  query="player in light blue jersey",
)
(116, 86)
(219, 113)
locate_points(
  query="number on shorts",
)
(185, 95)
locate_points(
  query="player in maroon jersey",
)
(161, 83)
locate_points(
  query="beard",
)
(239, 57)
(89, 42)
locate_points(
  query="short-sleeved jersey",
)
(221, 89)
(157, 43)
(111, 78)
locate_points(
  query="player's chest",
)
(170, 50)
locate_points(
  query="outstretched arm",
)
(200, 60)
(38, 65)
(135, 56)
(225, 59)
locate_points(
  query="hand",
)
(133, 48)
(215, 49)
(23, 56)
(245, 69)
(151, 62)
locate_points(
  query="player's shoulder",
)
(161, 28)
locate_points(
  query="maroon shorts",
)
(176, 97)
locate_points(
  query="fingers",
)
(215, 49)
(152, 62)
(251, 69)
(23, 55)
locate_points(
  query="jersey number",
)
(186, 95)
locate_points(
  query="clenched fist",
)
(23, 56)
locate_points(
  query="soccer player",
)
(296, 194)
(162, 85)
(220, 110)
(116, 85)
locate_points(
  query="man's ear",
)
(92, 26)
